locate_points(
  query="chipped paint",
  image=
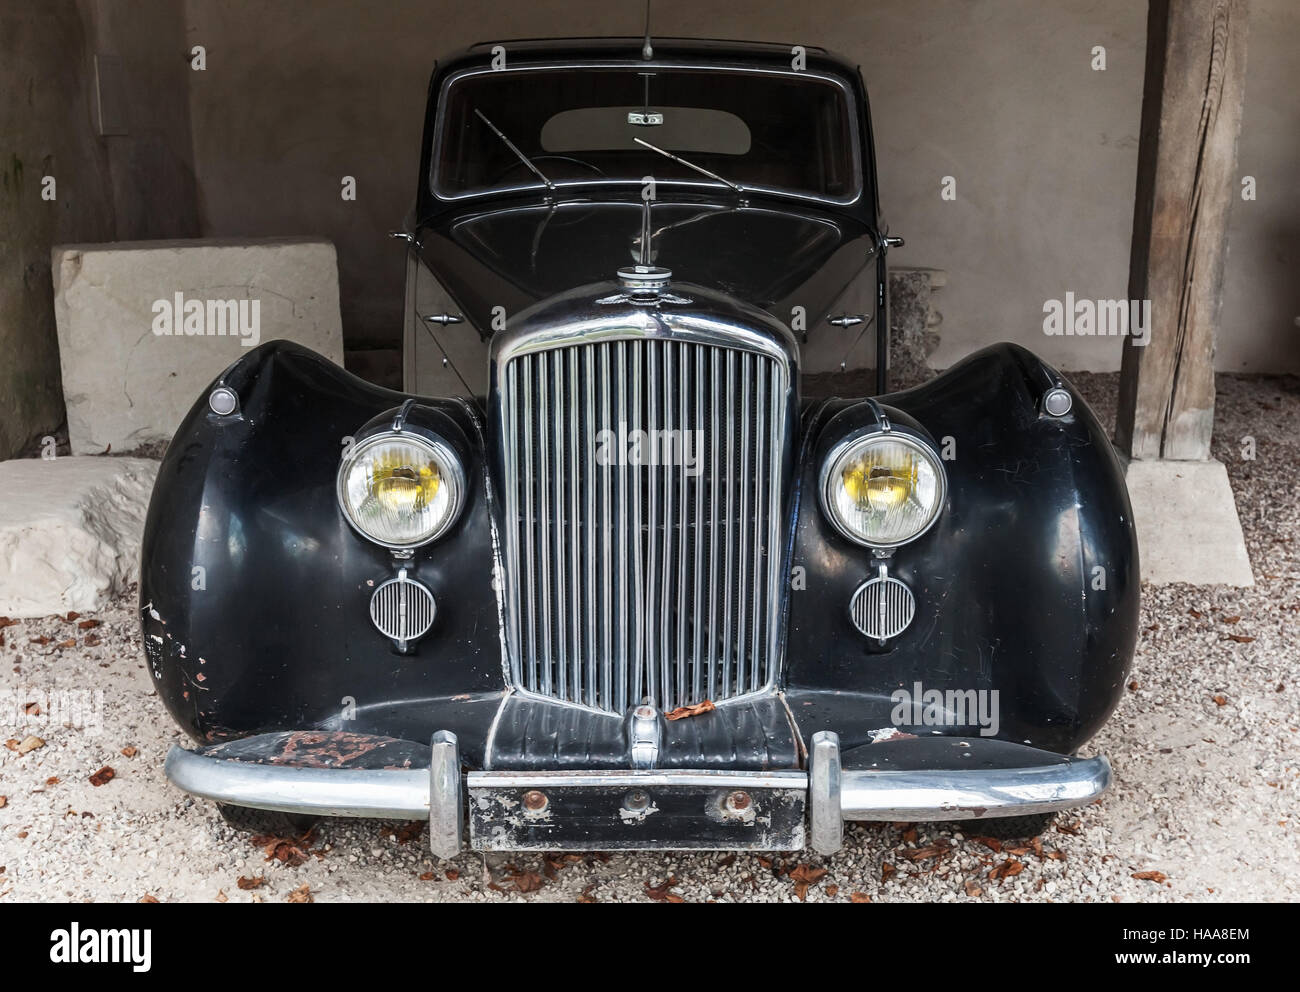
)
(637, 815)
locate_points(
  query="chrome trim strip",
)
(636, 779)
(382, 793)
(956, 795)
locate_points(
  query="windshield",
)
(758, 130)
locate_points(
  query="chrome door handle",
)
(442, 318)
(846, 319)
(892, 241)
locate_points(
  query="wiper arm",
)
(740, 190)
(518, 154)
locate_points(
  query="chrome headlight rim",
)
(864, 437)
(438, 448)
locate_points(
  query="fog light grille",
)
(402, 609)
(882, 607)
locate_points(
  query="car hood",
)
(515, 256)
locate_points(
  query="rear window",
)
(779, 131)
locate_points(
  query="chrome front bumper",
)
(833, 794)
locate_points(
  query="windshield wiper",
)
(740, 190)
(518, 154)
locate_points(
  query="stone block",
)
(144, 326)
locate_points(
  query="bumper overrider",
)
(937, 778)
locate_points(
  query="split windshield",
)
(759, 130)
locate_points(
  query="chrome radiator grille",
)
(630, 577)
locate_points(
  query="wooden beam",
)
(1186, 183)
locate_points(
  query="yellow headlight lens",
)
(884, 490)
(400, 491)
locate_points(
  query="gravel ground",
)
(1204, 747)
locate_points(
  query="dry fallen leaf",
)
(301, 894)
(251, 883)
(661, 893)
(527, 881)
(1149, 876)
(1240, 638)
(103, 776)
(1220, 699)
(72, 615)
(4, 801)
(929, 851)
(586, 896)
(286, 850)
(29, 743)
(42, 640)
(803, 876)
(6, 622)
(1006, 869)
(129, 752)
(859, 897)
(221, 896)
(992, 843)
(92, 641)
(427, 877)
(684, 711)
(885, 871)
(452, 874)
(1232, 619)
(409, 831)
(973, 890)
(832, 890)
(147, 898)
(32, 709)
(52, 780)
(71, 642)
(88, 624)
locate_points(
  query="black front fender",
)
(1027, 585)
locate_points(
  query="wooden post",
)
(1186, 182)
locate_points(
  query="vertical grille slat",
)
(643, 490)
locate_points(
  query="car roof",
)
(578, 50)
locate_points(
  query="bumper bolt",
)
(738, 802)
(535, 800)
(636, 801)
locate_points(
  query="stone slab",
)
(1187, 524)
(144, 326)
(70, 532)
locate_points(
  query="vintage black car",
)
(626, 590)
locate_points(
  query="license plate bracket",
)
(640, 811)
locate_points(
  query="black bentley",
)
(620, 587)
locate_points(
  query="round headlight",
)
(884, 489)
(401, 490)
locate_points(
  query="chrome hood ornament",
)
(645, 286)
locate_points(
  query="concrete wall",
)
(44, 130)
(135, 185)
(1261, 293)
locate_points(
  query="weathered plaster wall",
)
(129, 186)
(45, 129)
